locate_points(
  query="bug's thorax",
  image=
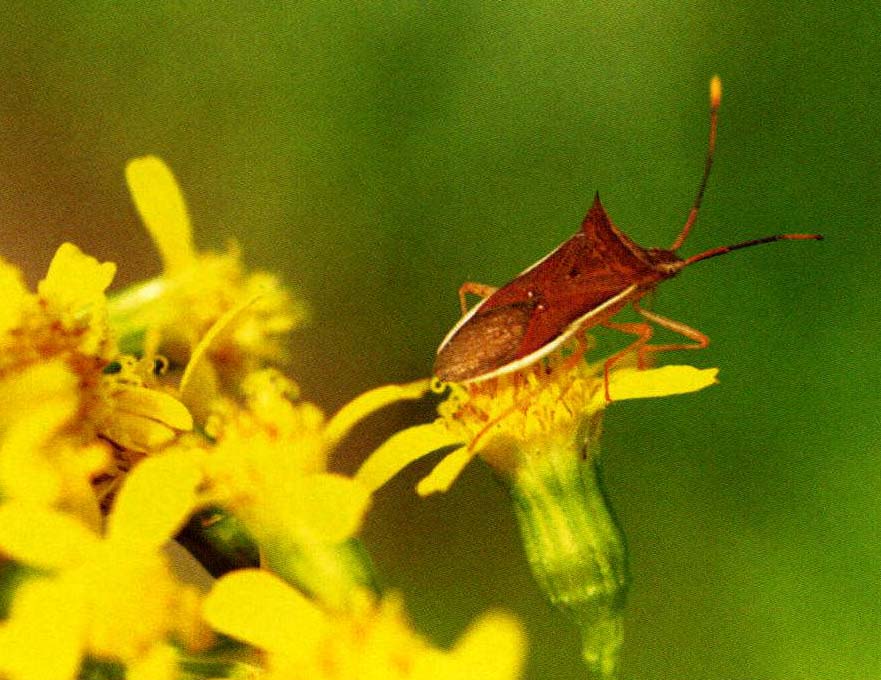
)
(645, 267)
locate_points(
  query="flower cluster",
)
(161, 413)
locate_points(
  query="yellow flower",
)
(40, 464)
(65, 319)
(107, 596)
(198, 288)
(500, 418)
(539, 429)
(374, 641)
(59, 403)
(268, 466)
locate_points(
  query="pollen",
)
(550, 399)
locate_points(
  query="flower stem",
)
(219, 541)
(574, 547)
(332, 573)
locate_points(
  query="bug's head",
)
(665, 262)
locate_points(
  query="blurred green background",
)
(378, 154)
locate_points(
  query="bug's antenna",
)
(715, 99)
(721, 250)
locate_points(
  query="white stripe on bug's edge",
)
(547, 348)
(474, 309)
(465, 319)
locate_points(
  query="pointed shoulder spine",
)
(596, 217)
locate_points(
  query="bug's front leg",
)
(700, 340)
(479, 289)
(643, 330)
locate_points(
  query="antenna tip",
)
(715, 92)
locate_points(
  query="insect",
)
(583, 283)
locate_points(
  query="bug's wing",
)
(570, 314)
(483, 342)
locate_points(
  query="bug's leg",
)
(700, 340)
(479, 289)
(643, 330)
(582, 346)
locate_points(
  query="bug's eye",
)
(574, 272)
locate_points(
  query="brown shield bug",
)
(581, 284)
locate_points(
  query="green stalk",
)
(332, 573)
(574, 547)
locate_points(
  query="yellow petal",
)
(160, 663)
(131, 599)
(137, 433)
(43, 638)
(155, 501)
(34, 405)
(26, 471)
(365, 404)
(43, 538)
(161, 205)
(159, 406)
(262, 610)
(76, 467)
(195, 380)
(493, 648)
(334, 506)
(46, 382)
(632, 383)
(75, 280)
(201, 388)
(445, 473)
(402, 449)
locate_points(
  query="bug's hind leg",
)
(479, 289)
(700, 341)
(643, 330)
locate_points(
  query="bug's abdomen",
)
(488, 340)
